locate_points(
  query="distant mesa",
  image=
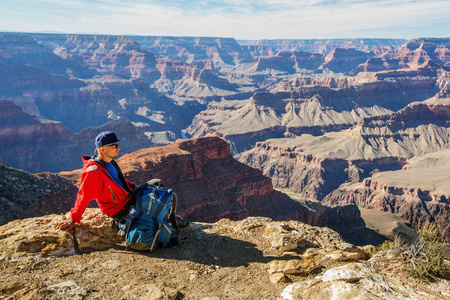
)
(326, 45)
(24, 48)
(344, 60)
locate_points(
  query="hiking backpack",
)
(147, 226)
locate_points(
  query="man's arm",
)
(89, 189)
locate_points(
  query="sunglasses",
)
(115, 146)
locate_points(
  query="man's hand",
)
(65, 225)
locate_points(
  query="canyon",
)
(210, 185)
(419, 192)
(35, 144)
(342, 167)
(316, 105)
(327, 120)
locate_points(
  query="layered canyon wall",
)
(419, 192)
(343, 167)
(33, 144)
(209, 182)
(316, 106)
(211, 185)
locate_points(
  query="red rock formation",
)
(211, 185)
(378, 64)
(259, 50)
(105, 54)
(290, 61)
(418, 51)
(174, 70)
(195, 169)
(435, 112)
(217, 49)
(411, 55)
(344, 60)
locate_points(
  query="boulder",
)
(351, 281)
(38, 236)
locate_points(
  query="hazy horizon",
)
(239, 19)
(192, 36)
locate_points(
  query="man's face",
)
(111, 151)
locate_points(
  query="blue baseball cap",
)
(106, 138)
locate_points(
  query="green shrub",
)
(429, 231)
(426, 255)
(387, 245)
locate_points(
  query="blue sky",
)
(241, 19)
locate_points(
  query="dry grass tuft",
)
(426, 254)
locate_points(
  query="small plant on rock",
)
(426, 254)
(386, 245)
(397, 243)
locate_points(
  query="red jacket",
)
(96, 183)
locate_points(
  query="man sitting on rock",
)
(103, 180)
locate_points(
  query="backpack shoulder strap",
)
(121, 177)
(173, 211)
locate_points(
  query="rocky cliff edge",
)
(255, 258)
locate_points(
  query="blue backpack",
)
(146, 226)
